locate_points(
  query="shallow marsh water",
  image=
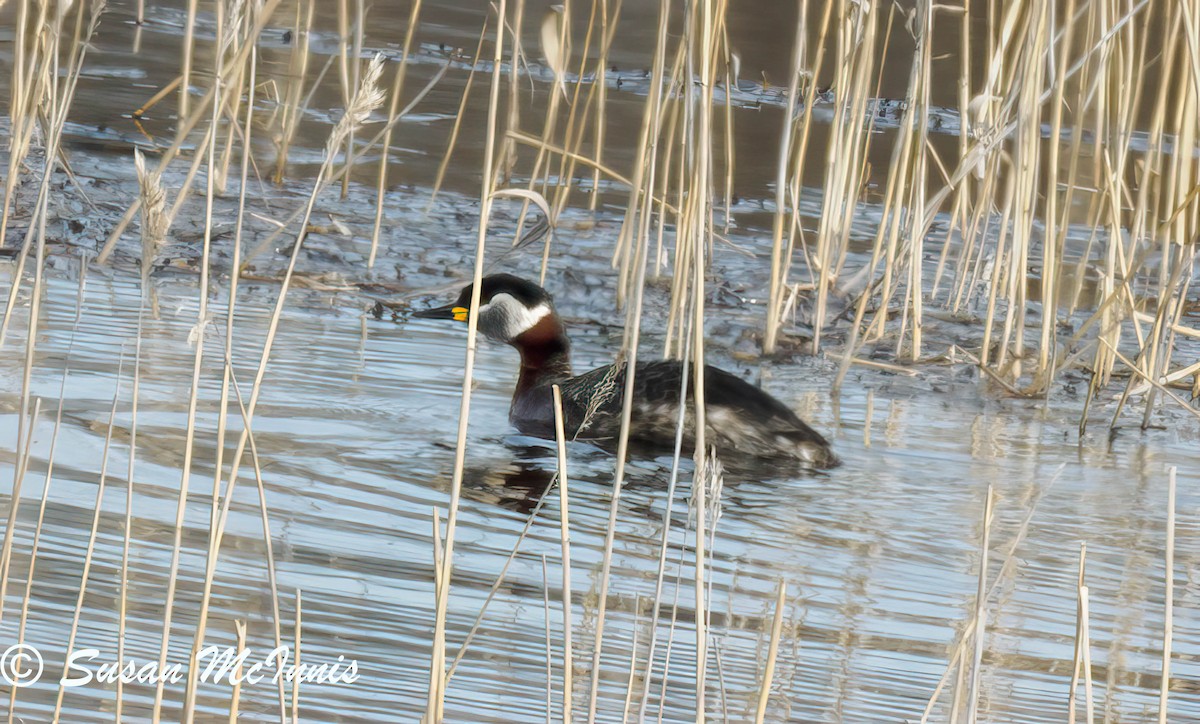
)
(355, 433)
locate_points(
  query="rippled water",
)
(355, 431)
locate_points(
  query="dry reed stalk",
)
(347, 72)
(964, 637)
(1028, 81)
(296, 650)
(669, 142)
(852, 85)
(189, 46)
(20, 110)
(14, 507)
(704, 23)
(393, 109)
(127, 529)
(1138, 372)
(905, 183)
(227, 369)
(629, 352)
(577, 120)
(633, 647)
(460, 114)
(555, 45)
(1168, 599)
(276, 619)
(56, 96)
(41, 515)
(639, 263)
(564, 528)
(546, 635)
(187, 124)
(501, 576)
(168, 607)
(601, 86)
(778, 262)
(1054, 227)
(437, 678)
(714, 483)
(960, 214)
(799, 156)
(508, 148)
(867, 418)
(53, 94)
(154, 220)
(980, 610)
(360, 16)
(334, 176)
(570, 154)
(232, 37)
(663, 545)
(367, 98)
(1085, 615)
(1082, 658)
(629, 355)
(640, 186)
(764, 689)
(91, 544)
(193, 400)
(731, 66)
(682, 141)
(577, 125)
(289, 121)
(235, 697)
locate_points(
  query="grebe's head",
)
(509, 306)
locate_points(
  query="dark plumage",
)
(741, 419)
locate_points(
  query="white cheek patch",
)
(513, 317)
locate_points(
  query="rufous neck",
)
(545, 349)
